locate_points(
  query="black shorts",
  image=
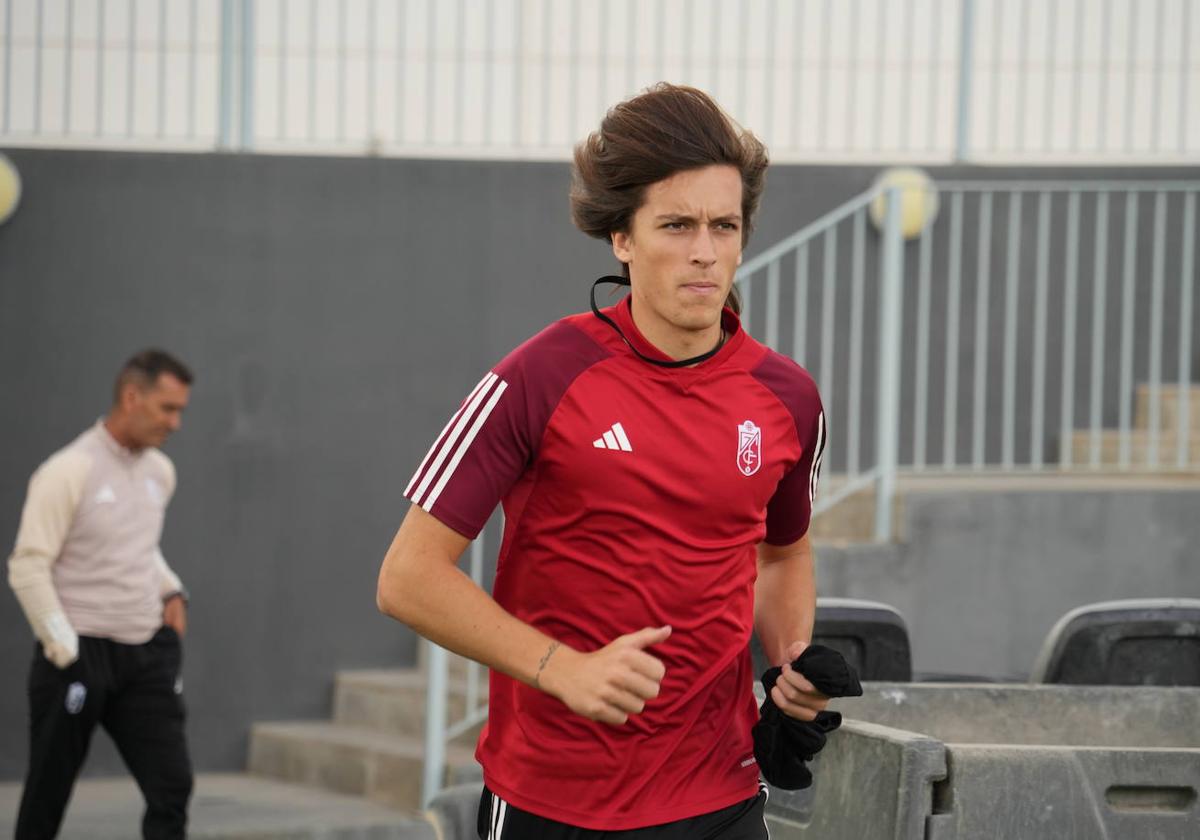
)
(742, 821)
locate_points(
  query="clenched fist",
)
(609, 684)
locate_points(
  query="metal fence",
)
(1034, 326)
(807, 330)
(933, 80)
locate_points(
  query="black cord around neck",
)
(624, 281)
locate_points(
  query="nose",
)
(704, 250)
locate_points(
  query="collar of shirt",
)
(112, 445)
(622, 313)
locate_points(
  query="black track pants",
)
(134, 692)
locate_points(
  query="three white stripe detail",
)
(452, 443)
(499, 813)
(814, 473)
(766, 792)
(454, 417)
(614, 438)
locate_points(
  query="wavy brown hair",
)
(643, 140)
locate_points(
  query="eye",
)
(674, 226)
(729, 226)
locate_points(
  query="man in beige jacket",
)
(108, 612)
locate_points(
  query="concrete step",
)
(1168, 407)
(227, 807)
(1139, 448)
(393, 701)
(850, 520)
(382, 767)
(837, 528)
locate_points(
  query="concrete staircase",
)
(356, 776)
(373, 745)
(1142, 444)
(851, 521)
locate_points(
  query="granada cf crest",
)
(749, 455)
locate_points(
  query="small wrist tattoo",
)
(541, 665)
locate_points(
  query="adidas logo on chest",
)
(614, 439)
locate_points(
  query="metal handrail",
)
(437, 731)
(807, 233)
(883, 475)
(1068, 326)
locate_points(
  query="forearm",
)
(50, 504)
(785, 598)
(420, 585)
(448, 608)
(29, 575)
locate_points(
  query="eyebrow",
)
(683, 217)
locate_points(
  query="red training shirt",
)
(634, 496)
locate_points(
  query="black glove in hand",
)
(782, 744)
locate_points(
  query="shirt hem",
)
(625, 822)
(115, 628)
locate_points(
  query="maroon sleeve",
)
(790, 509)
(494, 436)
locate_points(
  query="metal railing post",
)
(887, 429)
(966, 51)
(246, 77)
(225, 109)
(474, 668)
(437, 664)
(8, 51)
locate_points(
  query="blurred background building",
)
(983, 81)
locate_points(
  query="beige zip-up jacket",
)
(87, 559)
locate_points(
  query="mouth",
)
(702, 287)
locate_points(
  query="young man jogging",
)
(657, 468)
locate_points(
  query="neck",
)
(673, 341)
(119, 433)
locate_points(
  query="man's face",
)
(683, 248)
(155, 412)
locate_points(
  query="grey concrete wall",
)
(335, 310)
(982, 577)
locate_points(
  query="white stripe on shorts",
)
(766, 792)
(499, 814)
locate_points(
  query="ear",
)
(129, 395)
(621, 245)
(739, 262)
